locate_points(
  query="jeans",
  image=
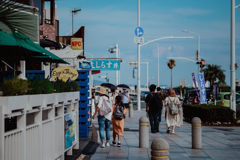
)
(160, 115)
(101, 122)
(126, 105)
(153, 118)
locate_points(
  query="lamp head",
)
(185, 31)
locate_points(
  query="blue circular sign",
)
(139, 32)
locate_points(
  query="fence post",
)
(196, 133)
(143, 132)
(160, 149)
(130, 110)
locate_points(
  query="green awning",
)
(51, 57)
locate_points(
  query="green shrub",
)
(75, 86)
(40, 85)
(68, 86)
(15, 86)
(208, 113)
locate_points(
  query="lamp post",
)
(198, 45)
(120, 68)
(115, 50)
(147, 70)
(158, 65)
(74, 12)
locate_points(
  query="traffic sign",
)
(139, 32)
(138, 40)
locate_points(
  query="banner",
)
(105, 64)
(214, 91)
(202, 88)
(194, 81)
(70, 129)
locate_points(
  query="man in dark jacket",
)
(153, 105)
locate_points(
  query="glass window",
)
(226, 96)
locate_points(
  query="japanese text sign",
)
(76, 43)
(105, 64)
(202, 88)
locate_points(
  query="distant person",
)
(120, 93)
(153, 104)
(125, 98)
(172, 120)
(112, 96)
(160, 109)
(103, 120)
(93, 92)
(119, 113)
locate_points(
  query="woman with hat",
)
(103, 120)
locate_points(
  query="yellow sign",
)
(64, 73)
(76, 43)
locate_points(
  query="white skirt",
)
(172, 120)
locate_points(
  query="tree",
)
(212, 73)
(171, 64)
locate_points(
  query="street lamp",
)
(158, 64)
(198, 58)
(147, 70)
(113, 50)
(74, 12)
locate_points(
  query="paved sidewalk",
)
(220, 143)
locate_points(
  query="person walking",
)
(125, 98)
(153, 104)
(171, 119)
(104, 120)
(160, 109)
(119, 113)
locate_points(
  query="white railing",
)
(40, 132)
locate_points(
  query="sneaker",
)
(107, 144)
(119, 144)
(173, 131)
(157, 130)
(168, 130)
(114, 143)
(103, 145)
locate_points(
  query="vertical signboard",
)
(194, 81)
(214, 91)
(202, 88)
(70, 129)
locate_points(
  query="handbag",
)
(106, 108)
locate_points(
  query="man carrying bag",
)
(153, 105)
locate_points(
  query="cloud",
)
(192, 11)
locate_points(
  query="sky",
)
(109, 22)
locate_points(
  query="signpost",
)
(139, 31)
(138, 40)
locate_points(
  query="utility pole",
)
(74, 12)
(233, 84)
(138, 79)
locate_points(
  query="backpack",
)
(173, 109)
(106, 108)
(118, 114)
(156, 103)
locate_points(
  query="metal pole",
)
(120, 68)
(138, 48)
(158, 68)
(198, 52)
(72, 22)
(116, 57)
(233, 87)
(147, 74)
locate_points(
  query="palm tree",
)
(212, 73)
(171, 64)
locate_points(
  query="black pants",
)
(153, 118)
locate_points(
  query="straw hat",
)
(102, 91)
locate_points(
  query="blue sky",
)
(108, 22)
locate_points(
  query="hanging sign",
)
(64, 73)
(194, 80)
(76, 43)
(202, 88)
(105, 64)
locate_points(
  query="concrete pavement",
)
(220, 143)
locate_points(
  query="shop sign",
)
(105, 64)
(76, 43)
(64, 73)
(202, 88)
